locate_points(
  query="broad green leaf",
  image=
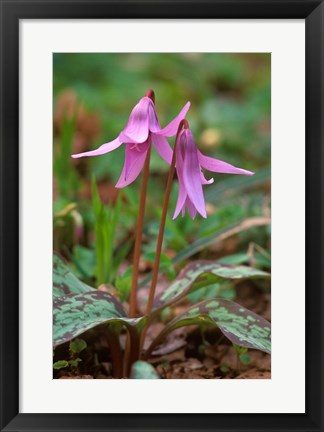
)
(75, 362)
(224, 290)
(77, 345)
(60, 364)
(84, 260)
(241, 326)
(76, 313)
(236, 259)
(64, 281)
(202, 273)
(245, 358)
(143, 370)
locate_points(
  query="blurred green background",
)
(230, 97)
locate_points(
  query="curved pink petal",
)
(134, 161)
(191, 174)
(104, 148)
(203, 179)
(182, 194)
(172, 128)
(137, 128)
(163, 147)
(191, 209)
(132, 153)
(219, 166)
(154, 124)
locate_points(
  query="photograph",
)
(162, 215)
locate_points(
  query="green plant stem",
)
(116, 354)
(138, 237)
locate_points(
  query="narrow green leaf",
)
(100, 234)
(66, 175)
(202, 273)
(84, 260)
(124, 283)
(76, 313)
(120, 254)
(143, 370)
(241, 326)
(64, 281)
(234, 185)
(106, 220)
(213, 238)
(96, 202)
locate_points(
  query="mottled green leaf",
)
(76, 313)
(241, 326)
(143, 370)
(202, 273)
(203, 242)
(64, 281)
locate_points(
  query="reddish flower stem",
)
(138, 237)
(116, 354)
(150, 93)
(129, 350)
(139, 229)
(156, 266)
(134, 341)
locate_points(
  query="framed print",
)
(161, 223)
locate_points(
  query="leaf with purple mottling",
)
(241, 326)
(76, 313)
(64, 281)
(202, 273)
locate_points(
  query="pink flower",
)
(189, 164)
(142, 129)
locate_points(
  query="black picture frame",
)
(11, 12)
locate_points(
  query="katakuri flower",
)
(142, 130)
(189, 164)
